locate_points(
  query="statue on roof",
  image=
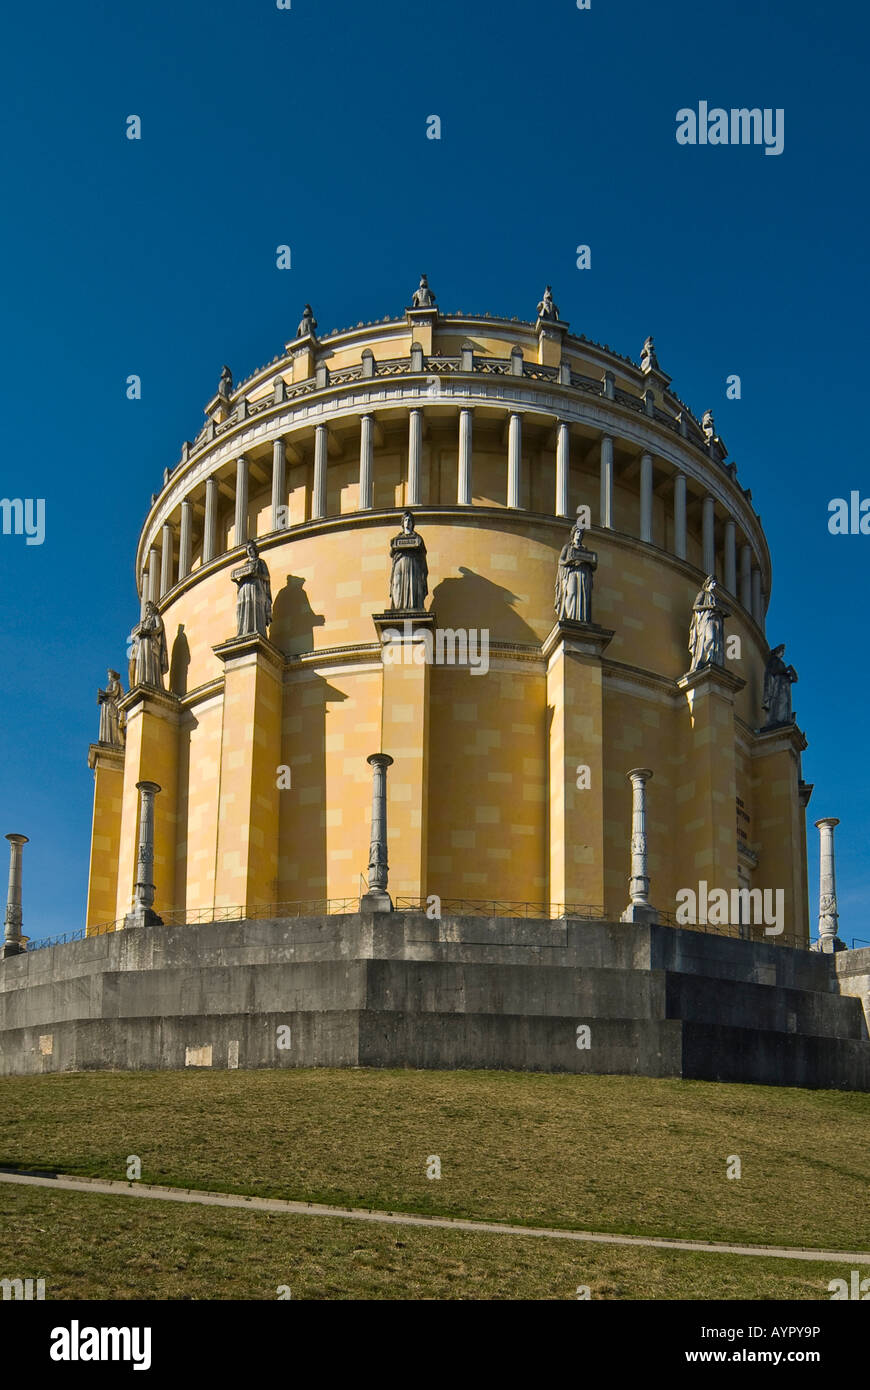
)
(547, 309)
(423, 298)
(778, 681)
(111, 719)
(225, 385)
(648, 360)
(708, 425)
(308, 324)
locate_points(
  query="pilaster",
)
(108, 767)
(150, 754)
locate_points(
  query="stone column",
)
(606, 517)
(143, 914)
(415, 454)
(366, 459)
(241, 530)
(829, 940)
(463, 493)
(515, 454)
(318, 491)
(746, 577)
(709, 535)
(377, 899)
(153, 575)
(563, 461)
(730, 556)
(166, 557)
(757, 611)
(209, 535)
(14, 942)
(646, 497)
(680, 516)
(279, 485)
(185, 542)
(639, 908)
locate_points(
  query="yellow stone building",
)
(494, 432)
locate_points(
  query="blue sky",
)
(307, 127)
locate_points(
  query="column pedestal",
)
(107, 763)
(150, 753)
(709, 848)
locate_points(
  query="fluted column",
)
(757, 612)
(318, 491)
(366, 459)
(166, 548)
(143, 914)
(241, 531)
(746, 577)
(463, 490)
(828, 916)
(415, 454)
(680, 516)
(153, 575)
(606, 517)
(377, 899)
(730, 556)
(709, 535)
(185, 539)
(646, 497)
(515, 455)
(563, 464)
(279, 485)
(209, 535)
(13, 943)
(639, 908)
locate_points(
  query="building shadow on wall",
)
(179, 664)
(293, 618)
(472, 601)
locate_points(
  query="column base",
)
(12, 948)
(376, 900)
(142, 917)
(828, 945)
(639, 912)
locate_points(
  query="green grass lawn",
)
(90, 1247)
(610, 1153)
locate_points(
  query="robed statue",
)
(308, 323)
(225, 385)
(707, 630)
(778, 681)
(547, 309)
(150, 657)
(409, 577)
(573, 599)
(424, 298)
(111, 723)
(254, 602)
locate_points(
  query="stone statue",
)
(708, 425)
(409, 577)
(573, 599)
(225, 385)
(547, 309)
(150, 657)
(707, 630)
(254, 603)
(111, 719)
(648, 360)
(778, 681)
(308, 325)
(423, 296)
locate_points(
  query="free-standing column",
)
(143, 914)
(828, 915)
(646, 497)
(709, 535)
(563, 461)
(209, 535)
(680, 516)
(757, 611)
(377, 899)
(366, 458)
(463, 492)
(185, 540)
(746, 577)
(241, 532)
(415, 453)
(13, 943)
(639, 908)
(166, 557)
(515, 454)
(153, 575)
(730, 556)
(606, 518)
(318, 491)
(279, 485)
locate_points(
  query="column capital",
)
(239, 649)
(711, 680)
(578, 639)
